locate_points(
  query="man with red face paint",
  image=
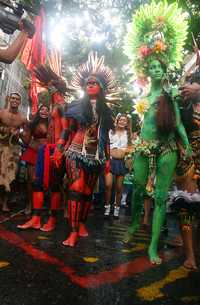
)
(84, 141)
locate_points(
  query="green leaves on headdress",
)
(158, 30)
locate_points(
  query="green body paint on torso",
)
(149, 129)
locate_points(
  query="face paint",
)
(155, 70)
(92, 87)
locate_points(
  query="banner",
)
(34, 53)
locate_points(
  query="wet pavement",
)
(36, 269)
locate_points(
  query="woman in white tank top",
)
(120, 140)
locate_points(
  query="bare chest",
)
(11, 120)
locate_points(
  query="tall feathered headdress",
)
(95, 66)
(158, 30)
(47, 77)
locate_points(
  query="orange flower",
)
(161, 19)
(159, 46)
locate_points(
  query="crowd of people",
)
(68, 146)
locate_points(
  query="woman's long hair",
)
(165, 116)
(128, 127)
(103, 111)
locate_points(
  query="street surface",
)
(36, 269)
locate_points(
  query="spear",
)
(196, 49)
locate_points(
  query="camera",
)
(10, 15)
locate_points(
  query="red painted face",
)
(92, 88)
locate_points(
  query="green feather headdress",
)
(159, 31)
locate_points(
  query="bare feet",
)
(50, 225)
(176, 242)
(5, 209)
(71, 240)
(33, 223)
(153, 256)
(128, 238)
(156, 261)
(83, 232)
(190, 264)
(129, 235)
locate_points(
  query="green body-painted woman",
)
(156, 156)
(155, 43)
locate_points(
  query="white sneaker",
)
(116, 211)
(123, 199)
(123, 203)
(107, 210)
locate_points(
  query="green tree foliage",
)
(192, 7)
(87, 25)
(94, 25)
